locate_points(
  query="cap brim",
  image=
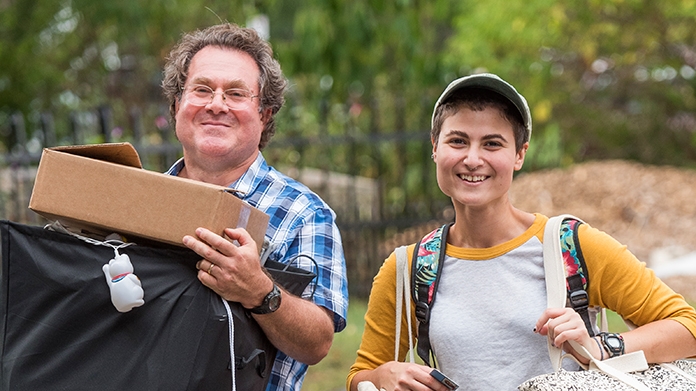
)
(494, 83)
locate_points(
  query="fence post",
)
(169, 155)
(135, 119)
(19, 161)
(48, 128)
(75, 128)
(19, 133)
(105, 122)
(135, 116)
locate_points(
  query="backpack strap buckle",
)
(579, 300)
(422, 311)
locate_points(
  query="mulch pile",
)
(644, 207)
(647, 208)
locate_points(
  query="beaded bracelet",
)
(601, 349)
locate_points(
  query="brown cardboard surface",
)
(121, 153)
(103, 189)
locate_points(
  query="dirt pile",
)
(644, 207)
(650, 209)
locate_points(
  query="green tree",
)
(605, 79)
(72, 55)
(373, 67)
(615, 78)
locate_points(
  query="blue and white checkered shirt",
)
(300, 223)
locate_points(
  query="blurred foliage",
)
(604, 78)
(615, 78)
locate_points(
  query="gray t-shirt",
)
(490, 308)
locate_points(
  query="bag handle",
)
(616, 367)
(403, 297)
(555, 282)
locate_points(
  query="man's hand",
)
(233, 271)
(299, 328)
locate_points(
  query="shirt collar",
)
(246, 184)
(252, 177)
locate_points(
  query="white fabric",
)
(555, 281)
(556, 290)
(403, 296)
(476, 298)
(367, 386)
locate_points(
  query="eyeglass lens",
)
(234, 98)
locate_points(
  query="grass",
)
(616, 324)
(330, 374)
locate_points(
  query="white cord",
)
(58, 227)
(230, 324)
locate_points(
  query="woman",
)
(489, 326)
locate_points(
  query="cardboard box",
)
(103, 188)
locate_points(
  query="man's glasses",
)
(234, 98)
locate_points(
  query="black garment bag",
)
(60, 331)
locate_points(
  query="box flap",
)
(119, 153)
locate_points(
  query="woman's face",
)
(476, 157)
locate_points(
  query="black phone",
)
(439, 376)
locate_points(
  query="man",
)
(224, 88)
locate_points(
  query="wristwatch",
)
(613, 343)
(270, 303)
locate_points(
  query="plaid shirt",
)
(300, 223)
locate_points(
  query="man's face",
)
(214, 136)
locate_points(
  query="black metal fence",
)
(381, 184)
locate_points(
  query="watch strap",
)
(270, 303)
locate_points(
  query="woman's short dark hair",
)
(478, 99)
(272, 83)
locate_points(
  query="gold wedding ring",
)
(210, 269)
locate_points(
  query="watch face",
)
(274, 303)
(270, 303)
(613, 342)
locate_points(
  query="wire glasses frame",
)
(234, 98)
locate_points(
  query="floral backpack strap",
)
(428, 255)
(577, 279)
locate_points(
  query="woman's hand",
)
(562, 325)
(399, 376)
